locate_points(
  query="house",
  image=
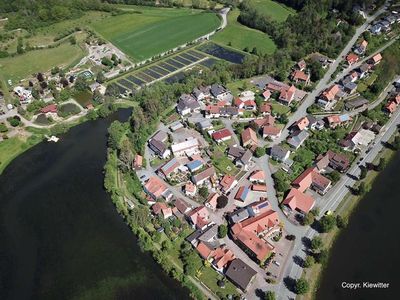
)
(159, 148)
(186, 148)
(235, 152)
(203, 176)
(259, 207)
(222, 135)
(176, 126)
(204, 124)
(301, 124)
(310, 178)
(359, 103)
(221, 93)
(361, 48)
(187, 105)
(249, 137)
(250, 105)
(336, 161)
(299, 201)
(266, 94)
(248, 232)
(24, 95)
(287, 95)
(211, 201)
(329, 97)
(160, 208)
(242, 193)
(296, 139)
(334, 121)
(390, 107)
(265, 109)
(52, 108)
(258, 176)
(161, 136)
(350, 87)
(279, 153)
(239, 215)
(376, 59)
(182, 206)
(213, 111)
(272, 132)
(195, 165)
(222, 257)
(301, 65)
(190, 189)
(300, 77)
(352, 58)
(357, 140)
(201, 93)
(170, 167)
(363, 70)
(240, 274)
(156, 189)
(260, 123)
(376, 29)
(138, 162)
(227, 183)
(244, 160)
(199, 217)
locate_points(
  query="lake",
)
(61, 237)
(368, 249)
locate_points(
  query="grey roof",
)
(350, 86)
(186, 101)
(278, 152)
(311, 119)
(206, 123)
(209, 234)
(194, 236)
(364, 68)
(157, 146)
(160, 136)
(358, 102)
(239, 215)
(246, 157)
(201, 90)
(240, 273)
(230, 110)
(297, 138)
(235, 151)
(217, 89)
(346, 80)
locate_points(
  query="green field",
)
(10, 149)
(276, 11)
(239, 36)
(21, 66)
(146, 32)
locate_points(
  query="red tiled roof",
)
(259, 187)
(49, 108)
(221, 134)
(300, 75)
(199, 216)
(297, 200)
(271, 130)
(331, 92)
(352, 58)
(257, 175)
(377, 58)
(204, 250)
(249, 136)
(309, 177)
(155, 186)
(266, 108)
(302, 123)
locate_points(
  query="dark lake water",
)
(60, 235)
(368, 249)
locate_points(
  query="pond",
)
(83, 97)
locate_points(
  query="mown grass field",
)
(276, 11)
(146, 32)
(240, 37)
(21, 66)
(9, 149)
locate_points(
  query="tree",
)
(301, 286)
(382, 164)
(72, 40)
(308, 219)
(363, 172)
(269, 295)
(115, 133)
(222, 201)
(322, 257)
(309, 261)
(3, 128)
(327, 223)
(81, 84)
(20, 46)
(100, 78)
(191, 261)
(362, 189)
(341, 222)
(396, 143)
(334, 176)
(316, 243)
(259, 152)
(203, 192)
(222, 231)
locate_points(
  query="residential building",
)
(279, 153)
(299, 201)
(247, 95)
(376, 59)
(266, 94)
(211, 201)
(170, 167)
(310, 178)
(242, 193)
(258, 176)
(221, 93)
(265, 109)
(195, 165)
(297, 138)
(190, 189)
(156, 189)
(186, 148)
(199, 217)
(160, 208)
(334, 121)
(272, 132)
(301, 124)
(182, 206)
(361, 47)
(336, 161)
(239, 215)
(249, 137)
(352, 58)
(52, 108)
(222, 135)
(203, 176)
(357, 140)
(201, 93)
(245, 159)
(138, 162)
(359, 103)
(287, 95)
(300, 77)
(301, 65)
(257, 124)
(235, 152)
(259, 207)
(240, 274)
(159, 148)
(350, 88)
(329, 97)
(227, 183)
(160, 136)
(204, 124)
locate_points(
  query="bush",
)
(203, 192)
(301, 286)
(222, 201)
(341, 222)
(322, 257)
(3, 127)
(14, 121)
(222, 231)
(308, 219)
(316, 243)
(309, 261)
(327, 223)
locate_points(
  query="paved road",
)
(325, 81)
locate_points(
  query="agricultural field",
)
(241, 37)
(145, 32)
(21, 66)
(276, 11)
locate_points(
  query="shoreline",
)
(345, 209)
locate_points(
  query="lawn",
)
(210, 278)
(240, 37)
(146, 32)
(223, 164)
(279, 108)
(21, 66)
(276, 11)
